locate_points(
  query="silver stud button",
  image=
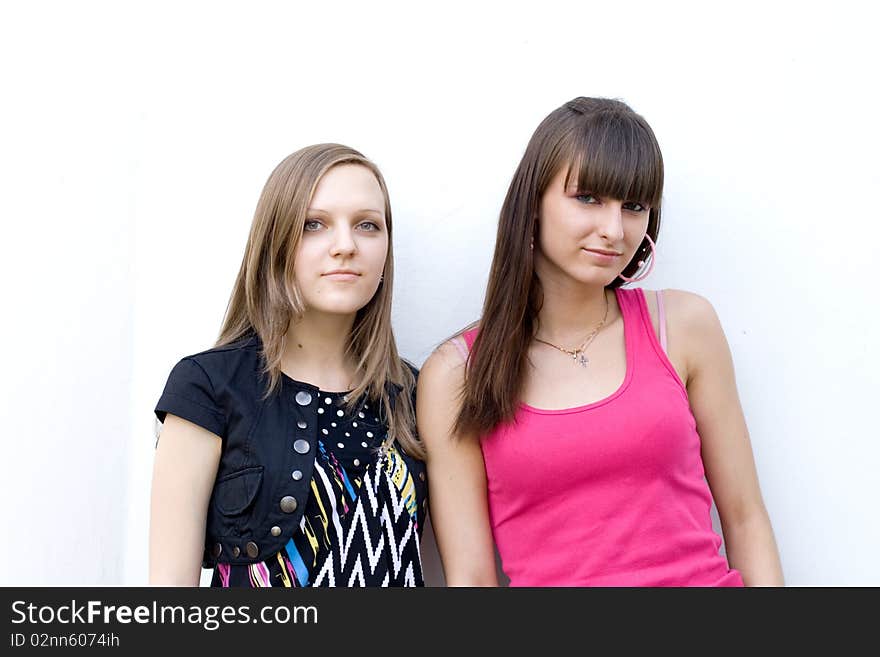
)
(288, 504)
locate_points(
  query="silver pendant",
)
(582, 360)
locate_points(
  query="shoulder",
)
(692, 319)
(448, 361)
(448, 356)
(243, 347)
(689, 310)
(683, 309)
(446, 365)
(225, 361)
(208, 375)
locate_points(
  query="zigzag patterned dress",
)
(363, 520)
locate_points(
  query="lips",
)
(603, 252)
(342, 276)
(602, 257)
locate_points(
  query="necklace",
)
(578, 354)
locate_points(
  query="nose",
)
(343, 242)
(611, 221)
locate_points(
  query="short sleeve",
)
(190, 395)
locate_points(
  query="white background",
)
(135, 140)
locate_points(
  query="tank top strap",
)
(636, 321)
(646, 343)
(661, 319)
(464, 342)
(469, 337)
(642, 316)
(461, 345)
(630, 301)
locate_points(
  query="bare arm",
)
(184, 470)
(726, 449)
(456, 475)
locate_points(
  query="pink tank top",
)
(608, 494)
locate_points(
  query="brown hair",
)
(614, 153)
(265, 297)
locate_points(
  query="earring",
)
(381, 277)
(532, 245)
(653, 259)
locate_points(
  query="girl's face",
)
(586, 237)
(345, 242)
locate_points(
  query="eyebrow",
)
(361, 211)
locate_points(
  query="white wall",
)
(135, 143)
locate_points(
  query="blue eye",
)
(371, 226)
(635, 206)
(587, 198)
(312, 225)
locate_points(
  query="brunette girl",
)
(581, 426)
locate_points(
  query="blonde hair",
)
(266, 298)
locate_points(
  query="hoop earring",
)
(653, 259)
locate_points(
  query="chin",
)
(596, 277)
(337, 306)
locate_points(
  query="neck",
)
(314, 351)
(571, 310)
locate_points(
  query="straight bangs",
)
(608, 150)
(616, 155)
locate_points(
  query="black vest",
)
(268, 452)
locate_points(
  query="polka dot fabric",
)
(352, 439)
